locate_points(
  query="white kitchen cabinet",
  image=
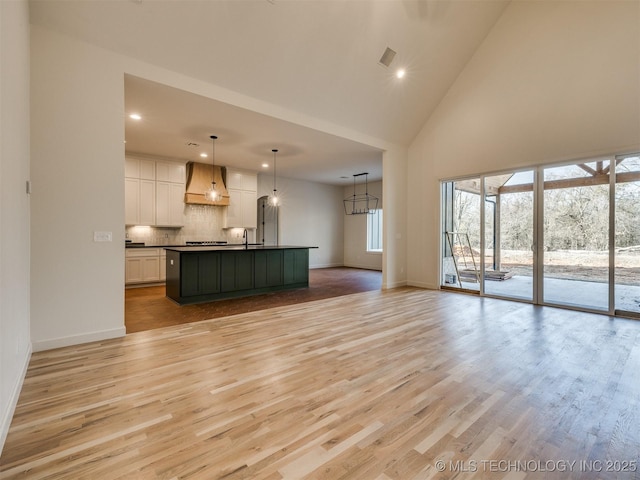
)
(142, 270)
(242, 211)
(170, 172)
(163, 265)
(140, 201)
(131, 201)
(140, 168)
(242, 180)
(143, 265)
(154, 192)
(169, 204)
(147, 202)
(249, 208)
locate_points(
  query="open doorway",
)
(504, 223)
(461, 234)
(267, 231)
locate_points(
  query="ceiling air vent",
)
(387, 57)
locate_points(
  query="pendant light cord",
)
(275, 151)
(213, 159)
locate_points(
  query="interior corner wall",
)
(355, 232)
(552, 82)
(15, 345)
(77, 165)
(314, 218)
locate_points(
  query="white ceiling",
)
(316, 57)
(173, 118)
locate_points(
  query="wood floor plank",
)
(375, 385)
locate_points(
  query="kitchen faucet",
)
(245, 237)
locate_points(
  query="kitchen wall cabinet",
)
(170, 172)
(140, 201)
(169, 204)
(243, 195)
(154, 193)
(140, 168)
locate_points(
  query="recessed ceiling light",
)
(400, 73)
(265, 165)
(203, 155)
(135, 116)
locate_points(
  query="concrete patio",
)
(576, 293)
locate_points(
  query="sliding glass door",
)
(559, 235)
(627, 235)
(461, 234)
(509, 235)
(576, 235)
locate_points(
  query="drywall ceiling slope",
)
(319, 58)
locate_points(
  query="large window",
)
(555, 235)
(374, 231)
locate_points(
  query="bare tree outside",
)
(575, 217)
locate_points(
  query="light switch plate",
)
(102, 237)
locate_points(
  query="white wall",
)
(15, 346)
(553, 81)
(355, 232)
(310, 214)
(77, 148)
(394, 189)
(78, 173)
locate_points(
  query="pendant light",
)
(273, 198)
(363, 203)
(212, 194)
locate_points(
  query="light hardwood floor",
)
(375, 386)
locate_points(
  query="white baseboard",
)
(78, 339)
(429, 286)
(7, 415)
(363, 267)
(401, 283)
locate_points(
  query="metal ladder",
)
(461, 240)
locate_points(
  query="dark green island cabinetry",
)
(204, 274)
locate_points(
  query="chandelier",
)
(360, 203)
(273, 198)
(213, 194)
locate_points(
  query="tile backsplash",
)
(202, 223)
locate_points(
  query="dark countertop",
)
(142, 245)
(232, 247)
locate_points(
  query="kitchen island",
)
(204, 274)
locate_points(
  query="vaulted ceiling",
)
(318, 57)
